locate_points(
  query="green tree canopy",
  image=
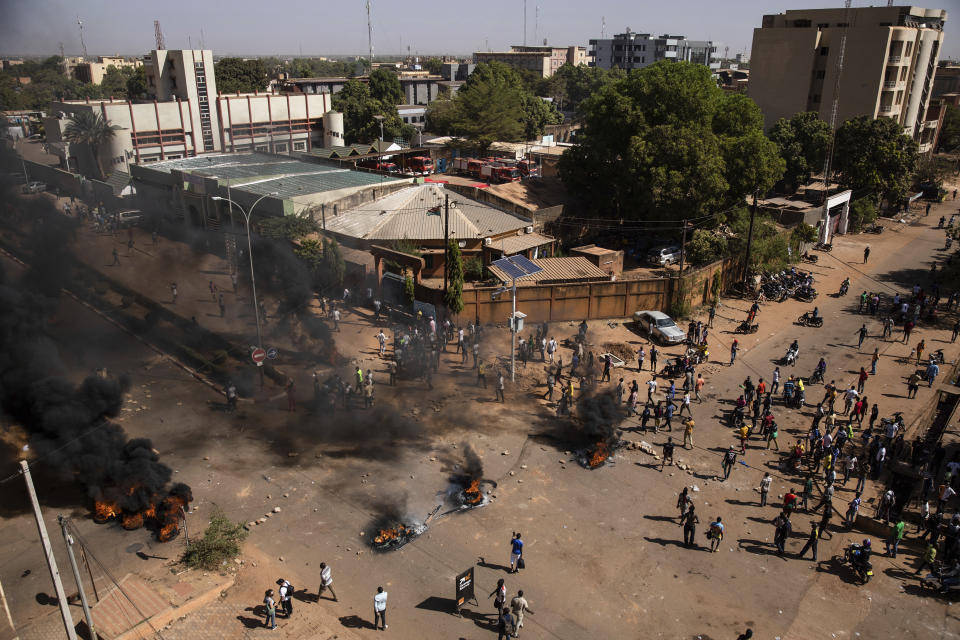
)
(359, 108)
(453, 297)
(433, 65)
(385, 87)
(239, 75)
(666, 143)
(571, 85)
(91, 130)
(950, 130)
(802, 142)
(872, 156)
(115, 81)
(441, 116)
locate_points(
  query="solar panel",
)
(517, 267)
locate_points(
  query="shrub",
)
(220, 542)
(705, 247)
(862, 213)
(409, 291)
(473, 268)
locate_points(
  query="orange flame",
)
(104, 510)
(131, 521)
(472, 493)
(168, 532)
(387, 535)
(600, 454)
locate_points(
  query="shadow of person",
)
(251, 623)
(488, 565)
(356, 622)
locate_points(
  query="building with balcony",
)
(543, 61)
(889, 61)
(631, 50)
(946, 80)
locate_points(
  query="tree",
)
(433, 65)
(359, 108)
(236, 75)
(863, 211)
(704, 247)
(385, 87)
(453, 297)
(571, 85)
(114, 83)
(873, 156)
(490, 107)
(409, 291)
(91, 130)
(950, 130)
(666, 143)
(537, 114)
(137, 84)
(441, 115)
(802, 142)
(332, 265)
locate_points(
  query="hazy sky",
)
(286, 27)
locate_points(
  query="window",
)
(824, 50)
(260, 147)
(299, 146)
(823, 25)
(801, 24)
(280, 147)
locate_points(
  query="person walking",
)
(866, 254)
(812, 541)
(772, 433)
(654, 352)
(913, 385)
(715, 534)
(506, 626)
(775, 381)
(326, 582)
(698, 386)
(516, 553)
(862, 333)
(782, 532)
(684, 501)
(286, 599)
(689, 522)
(380, 609)
(116, 258)
(729, 459)
(667, 453)
(336, 319)
(271, 609)
(688, 426)
(765, 483)
(734, 347)
(933, 370)
(873, 361)
(500, 601)
(500, 387)
(928, 558)
(896, 535)
(518, 607)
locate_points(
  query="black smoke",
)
(598, 416)
(68, 422)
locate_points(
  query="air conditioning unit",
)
(528, 229)
(487, 242)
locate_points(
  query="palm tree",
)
(91, 129)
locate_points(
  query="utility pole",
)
(82, 45)
(446, 240)
(513, 333)
(48, 552)
(68, 539)
(683, 250)
(753, 213)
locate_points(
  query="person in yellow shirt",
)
(744, 434)
(688, 432)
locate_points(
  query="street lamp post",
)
(247, 214)
(379, 119)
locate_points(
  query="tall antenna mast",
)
(524, 22)
(603, 27)
(158, 36)
(61, 51)
(370, 34)
(536, 24)
(828, 161)
(202, 38)
(82, 45)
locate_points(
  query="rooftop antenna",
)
(61, 51)
(369, 34)
(202, 38)
(524, 22)
(536, 24)
(82, 45)
(603, 27)
(158, 35)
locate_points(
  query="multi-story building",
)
(417, 89)
(188, 117)
(93, 72)
(946, 80)
(543, 61)
(889, 61)
(630, 50)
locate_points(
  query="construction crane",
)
(158, 35)
(828, 160)
(82, 45)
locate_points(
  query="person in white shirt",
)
(382, 339)
(380, 608)
(285, 600)
(765, 488)
(551, 348)
(326, 582)
(651, 388)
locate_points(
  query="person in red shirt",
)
(761, 388)
(862, 380)
(790, 501)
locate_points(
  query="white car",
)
(129, 218)
(34, 187)
(659, 326)
(664, 255)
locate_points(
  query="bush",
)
(862, 213)
(803, 232)
(678, 309)
(473, 268)
(220, 542)
(409, 292)
(705, 247)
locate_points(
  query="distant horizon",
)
(36, 28)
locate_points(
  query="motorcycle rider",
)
(860, 556)
(844, 286)
(816, 313)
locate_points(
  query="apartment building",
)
(94, 71)
(188, 117)
(631, 50)
(543, 61)
(889, 62)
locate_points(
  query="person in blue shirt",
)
(516, 552)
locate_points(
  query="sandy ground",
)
(603, 552)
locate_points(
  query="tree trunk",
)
(95, 150)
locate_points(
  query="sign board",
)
(464, 588)
(272, 353)
(258, 355)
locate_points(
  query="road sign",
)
(258, 355)
(272, 353)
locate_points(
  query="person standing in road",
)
(729, 459)
(116, 258)
(712, 313)
(782, 532)
(688, 426)
(380, 609)
(667, 453)
(271, 609)
(812, 541)
(913, 385)
(775, 382)
(689, 522)
(500, 387)
(506, 626)
(654, 352)
(896, 535)
(765, 488)
(866, 254)
(733, 351)
(698, 386)
(518, 607)
(873, 361)
(933, 370)
(854, 507)
(220, 304)
(326, 582)
(715, 534)
(500, 601)
(516, 553)
(336, 319)
(862, 335)
(286, 600)
(684, 501)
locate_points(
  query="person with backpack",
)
(715, 534)
(271, 606)
(506, 626)
(286, 601)
(729, 459)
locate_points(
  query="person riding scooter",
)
(844, 286)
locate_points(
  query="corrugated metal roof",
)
(405, 214)
(119, 181)
(573, 269)
(522, 242)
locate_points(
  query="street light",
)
(253, 281)
(380, 120)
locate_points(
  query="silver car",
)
(659, 326)
(664, 255)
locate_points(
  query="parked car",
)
(129, 218)
(659, 326)
(664, 255)
(34, 187)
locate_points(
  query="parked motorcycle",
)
(823, 246)
(874, 228)
(806, 257)
(805, 294)
(943, 580)
(746, 327)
